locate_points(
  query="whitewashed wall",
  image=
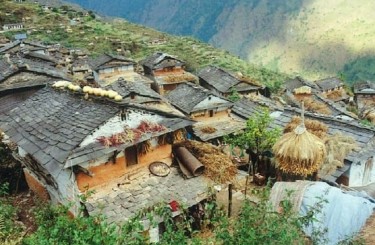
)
(357, 174)
(115, 125)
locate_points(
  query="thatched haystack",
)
(179, 78)
(335, 94)
(316, 106)
(338, 147)
(208, 130)
(218, 166)
(313, 126)
(369, 114)
(299, 152)
(302, 90)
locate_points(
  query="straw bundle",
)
(178, 78)
(316, 106)
(335, 94)
(338, 147)
(218, 166)
(299, 152)
(313, 126)
(208, 130)
(302, 90)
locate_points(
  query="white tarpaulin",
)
(340, 215)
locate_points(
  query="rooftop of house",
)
(245, 108)
(220, 127)
(144, 190)
(39, 73)
(298, 82)
(160, 60)
(127, 88)
(18, 43)
(12, 100)
(187, 96)
(329, 83)
(364, 87)
(223, 81)
(101, 61)
(50, 124)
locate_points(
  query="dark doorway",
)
(131, 156)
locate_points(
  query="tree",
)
(256, 138)
(234, 95)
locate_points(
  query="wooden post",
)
(230, 200)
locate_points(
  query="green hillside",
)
(313, 38)
(98, 36)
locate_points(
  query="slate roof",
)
(361, 134)
(10, 101)
(329, 83)
(126, 88)
(222, 127)
(25, 65)
(100, 61)
(119, 204)
(41, 57)
(223, 81)
(245, 108)
(160, 60)
(298, 82)
(9, 46)
(51, 124)
(364, 87)
(187, 95)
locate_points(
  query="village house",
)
(223, 83)
(13, 26)
(333, 89)
(69, 145)
(23, 46)
(209, 110)
(108, 68)
(20, 37)
(300, 88)
(364, 93)
(167, 72)
(357, 167)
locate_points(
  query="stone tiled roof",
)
(364, 87)
(40, 74)
(100, 61)
(126, 89)
(144, 190)
(223, 81)
(245, 108)
(329, 83)
(9, 46)
(187, 95)
(41, 57)
(160, 60)
(298, 82)
(51, 124)
(361, 134)
(10, 101)
(222, 127)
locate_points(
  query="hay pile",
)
(208, 130)
(299, 152)
(218, 166)
(338, 147)
(248, 80)
(335, 94)
(313, 126)
(179, 78)
(369, 114)
(302, 90)
(316, 106)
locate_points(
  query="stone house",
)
(69, 145)
(224, 83)
(332, 88)
(107, 68)
(300, 88)
(17, 46)
(13, 26)
(211, 111)
(166, 71)
(364, 93)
